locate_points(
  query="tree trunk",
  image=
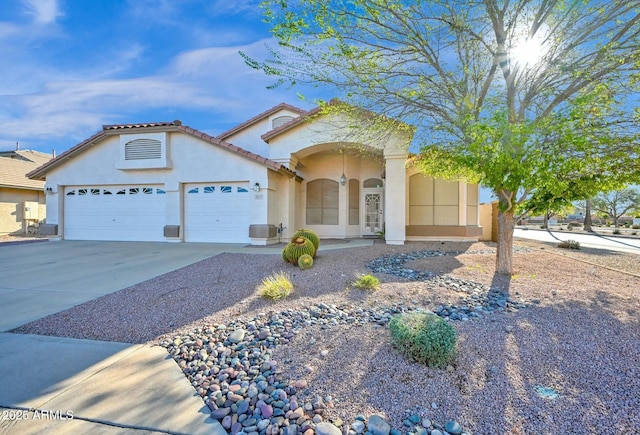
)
(587, 217)
(545, 222)
(504, 256)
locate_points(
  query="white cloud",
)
(43, 11)
(64, 109)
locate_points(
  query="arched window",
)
(322, 202)
(372, 182)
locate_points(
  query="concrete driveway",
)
(38, 279)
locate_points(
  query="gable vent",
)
(143, 149)
(280, 120)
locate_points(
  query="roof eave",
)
(260, 117)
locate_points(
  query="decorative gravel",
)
(551, 349)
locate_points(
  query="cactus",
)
(284, 255)
(309, 234)
(298, 247)
(305, 261)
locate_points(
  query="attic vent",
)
(280, 120)
(143, 149)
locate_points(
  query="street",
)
(612, 243)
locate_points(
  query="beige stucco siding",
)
(12, 209)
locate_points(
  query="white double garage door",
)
(212, 212)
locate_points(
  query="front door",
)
(373, 215)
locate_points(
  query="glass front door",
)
(373, 215)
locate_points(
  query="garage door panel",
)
(123, 213)
(217, 212)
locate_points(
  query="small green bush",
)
(424, 338)
(275, 286)
(569, 244)
(305, 262)
(366, 282)
(636, 227)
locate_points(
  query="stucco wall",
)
(12, 209)
(439, 209)
(191, 161)
(249, 137)
(329, 166)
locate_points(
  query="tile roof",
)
(260, 117)
(13, 174)
(107, 130)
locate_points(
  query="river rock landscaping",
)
(551, 349)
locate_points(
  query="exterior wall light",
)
(343, 178)
(256, 187)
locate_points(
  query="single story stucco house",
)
(281, 170)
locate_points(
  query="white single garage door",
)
(122, 213)
(217, 212)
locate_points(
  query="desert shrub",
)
(366, 282)
(298, 247)
(569, 244)
(424, 338)
(305, 262)
(275, 286)
(636, 227)
(574, 224)
(309, 234)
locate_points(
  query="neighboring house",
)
(257, 183)
(22, 200)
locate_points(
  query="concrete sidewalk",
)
(106, 387)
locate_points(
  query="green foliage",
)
(275, 286)
(424, 338)
(305, 262)
(309, 234)
(569, 244)
(616, 203)
(297, 247)
(539, 133)
(366, 282)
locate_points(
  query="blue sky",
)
(70, 66)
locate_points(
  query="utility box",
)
(31, 211)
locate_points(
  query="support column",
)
(290, 225)
(462, 203)
(395, 199)
(174, 213)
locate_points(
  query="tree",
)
(588, 223)
(617, 203)
(531, 98)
